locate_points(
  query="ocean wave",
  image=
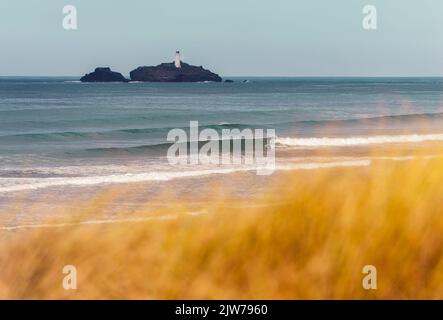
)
(162, 131)
(141, 149)
(68, 171)
(357, 141)
(9, 185)
(378, 119)
(159, 148)
(123, 133)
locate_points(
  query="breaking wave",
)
(357, 141)
(8, 185)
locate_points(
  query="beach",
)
(85, 180)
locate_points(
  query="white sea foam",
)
(357, 141)
(8, 185)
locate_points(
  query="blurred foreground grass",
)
(308, 237)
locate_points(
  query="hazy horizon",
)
(285, 38)
(244, 76)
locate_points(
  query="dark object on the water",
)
(246, 81)
(229, 81)
(103, 75)
(168, 72)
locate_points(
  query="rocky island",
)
(176, 71)
(168, 72)
(103, 75)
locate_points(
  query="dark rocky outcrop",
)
(103, 75)
(229, 81)
(167, 72)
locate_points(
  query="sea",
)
(57, 132)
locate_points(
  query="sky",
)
(229, 37)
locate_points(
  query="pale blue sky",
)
(231, 37)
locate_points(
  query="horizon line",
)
(253, 76)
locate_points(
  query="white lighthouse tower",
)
(177, 60)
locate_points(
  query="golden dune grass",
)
(308, 237)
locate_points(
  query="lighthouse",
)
(177, 59)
